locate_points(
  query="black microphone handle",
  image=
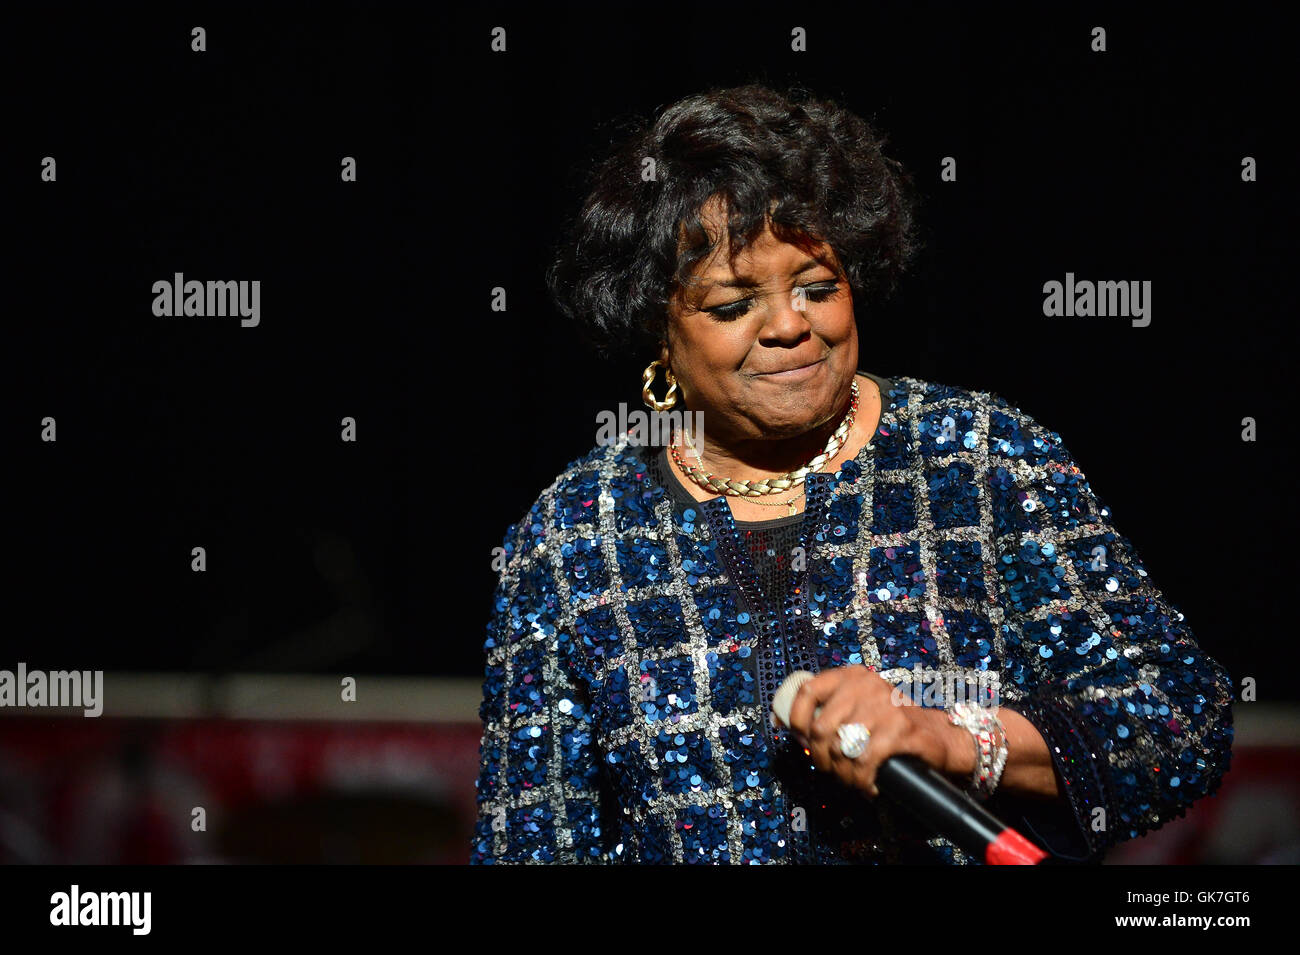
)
(919, 788)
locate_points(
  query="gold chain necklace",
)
(789, 503)
(752, 489)
(793, 509)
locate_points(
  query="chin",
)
(794, 426)
(785, 430)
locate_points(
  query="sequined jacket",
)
(627, 677)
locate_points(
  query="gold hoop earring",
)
(648, 396)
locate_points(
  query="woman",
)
(885, 534)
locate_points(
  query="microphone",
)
(908, 781)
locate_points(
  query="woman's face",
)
(768, 350)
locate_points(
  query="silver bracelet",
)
(990, 744)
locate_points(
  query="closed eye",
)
(819, 292)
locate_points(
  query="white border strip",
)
(182, 696)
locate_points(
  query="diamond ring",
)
(853, 740)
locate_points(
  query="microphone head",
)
(784, 698)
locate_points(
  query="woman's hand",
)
(857, 694)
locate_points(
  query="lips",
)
(781, 371)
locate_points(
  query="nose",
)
(787, 320)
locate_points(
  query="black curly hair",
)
(815, 167)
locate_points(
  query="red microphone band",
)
(1011, 848)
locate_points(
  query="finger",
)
(810, 696)
(842, 766)
(835, 712)
(866, 768)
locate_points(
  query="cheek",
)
(839, 327)
(716, 351)
(699, 361)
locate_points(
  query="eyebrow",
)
(744, 282)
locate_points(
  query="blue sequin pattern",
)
(621, 719)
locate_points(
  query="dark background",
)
(375, 556)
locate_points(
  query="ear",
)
(663, 355)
